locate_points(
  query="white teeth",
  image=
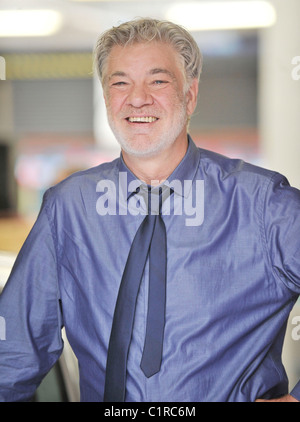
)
(142, 119)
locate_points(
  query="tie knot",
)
(154, 197)
(154, 200)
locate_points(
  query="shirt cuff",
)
(296, 391)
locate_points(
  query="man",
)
(233, 267)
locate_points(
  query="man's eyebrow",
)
(117, 73)
(157, 70)
(154, 71)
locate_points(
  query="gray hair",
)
(147, 30)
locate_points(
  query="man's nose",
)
(139, 96)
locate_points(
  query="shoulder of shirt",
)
(234, 167)
(84, 180)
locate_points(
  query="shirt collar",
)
(186, 170)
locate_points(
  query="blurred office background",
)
(53, 119)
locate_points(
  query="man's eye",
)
(121, 83)
(159, 82)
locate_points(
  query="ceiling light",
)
(217, 15)
(29, 23)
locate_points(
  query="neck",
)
(156, 169)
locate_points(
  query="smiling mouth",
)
(146, 119)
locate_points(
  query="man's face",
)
(144, 94)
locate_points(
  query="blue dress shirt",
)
(233, 234)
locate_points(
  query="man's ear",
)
(104, 97)
(104, 91)
(191, 97)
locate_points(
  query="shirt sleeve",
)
(31, 320)
(282, 231)
(282, 234)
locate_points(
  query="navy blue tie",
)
(150, 240)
